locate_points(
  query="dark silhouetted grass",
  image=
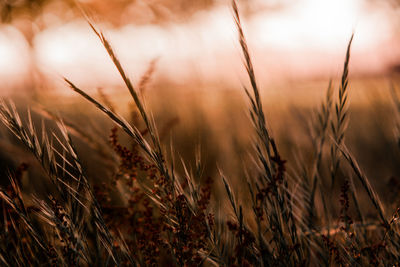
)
(159, 208)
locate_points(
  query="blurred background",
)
(193, 40)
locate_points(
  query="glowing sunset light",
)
(309, 22)
(73, 51)
(14, 57)
(310, 36)
(304, 38)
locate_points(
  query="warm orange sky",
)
(306, 38)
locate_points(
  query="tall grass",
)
(157, 209)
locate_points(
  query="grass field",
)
(298, 174)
